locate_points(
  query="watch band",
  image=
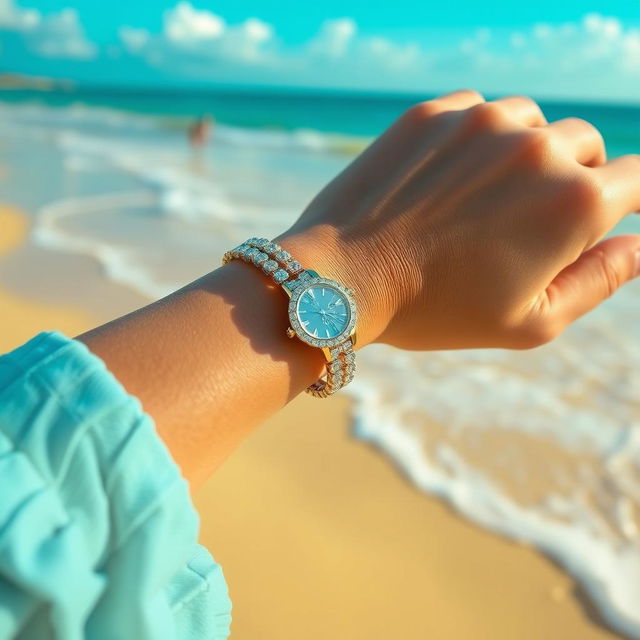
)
(340, 371)
(284, 270)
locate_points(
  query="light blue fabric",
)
(97, 530)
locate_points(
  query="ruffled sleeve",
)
(97, 530)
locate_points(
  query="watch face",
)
(323, 311)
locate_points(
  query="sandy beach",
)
(23, 317)
(318, 535)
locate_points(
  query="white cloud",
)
(256, 30)
(197, 39)
(542, 31)
(599, 25)
(189, 27)
(631, 48)
(60, 35)
(388, 54)
(338, 43)
(134, 40)
(334, 38)
(15, 18)
(200, 42)
(246, 42)
(597, 55)
(204, 35)
(54, 35)
(596, 43)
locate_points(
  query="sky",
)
(572, 49)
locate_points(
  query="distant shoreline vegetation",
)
(17, 82)
(26, 82)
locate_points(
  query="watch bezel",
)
(299, 330)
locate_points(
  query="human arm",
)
(466, 224)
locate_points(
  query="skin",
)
(466, 224)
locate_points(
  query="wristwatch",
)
(322, 312)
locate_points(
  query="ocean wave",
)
(79, 117)
(119, 265)
(305, 139)
(528, 445)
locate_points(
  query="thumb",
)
(593, 277)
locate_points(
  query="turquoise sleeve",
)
(98, 535)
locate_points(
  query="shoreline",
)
(385, 559)
(22, 316)
(318, 534)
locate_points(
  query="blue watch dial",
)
(323, 312)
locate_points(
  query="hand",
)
(474, 224)
(467, 224)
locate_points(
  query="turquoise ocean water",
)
(541, 446)
(353, 114)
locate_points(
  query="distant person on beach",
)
(467, 224)
(200, 131)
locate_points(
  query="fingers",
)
(621, 183)
(582, 139)
(523, 109)
(595, 276)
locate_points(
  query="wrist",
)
(321, 249)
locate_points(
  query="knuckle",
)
(583, 129)
(486, 115)
(524, 100)
(592, 129)
(633, 160)
(575, 122)
(533, 146)
(422, 111)
(580, 122)
(470, 93)
(529, 99)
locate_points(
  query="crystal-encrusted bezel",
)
(295, 321)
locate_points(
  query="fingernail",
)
(636, 272)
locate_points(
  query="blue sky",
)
(572, 49)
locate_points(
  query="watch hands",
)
(333, 324)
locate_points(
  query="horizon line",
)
(64, 85)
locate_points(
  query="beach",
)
(22, 317)
(318, 535)
(469, 494)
